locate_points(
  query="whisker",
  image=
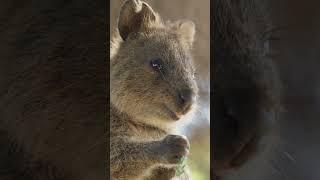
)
(289, 156)
(279, 170)
(267, 35)
(92, 147)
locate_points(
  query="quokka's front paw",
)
(173, 148)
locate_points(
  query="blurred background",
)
(296, 54)
(198, 130)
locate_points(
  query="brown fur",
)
(141, 124)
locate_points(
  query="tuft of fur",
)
(144, 99)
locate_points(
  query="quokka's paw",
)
(174, 147)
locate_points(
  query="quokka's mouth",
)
(186, 109)
(244, 153)
(237, 158)
(177, 115)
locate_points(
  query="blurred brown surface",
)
(199, 12)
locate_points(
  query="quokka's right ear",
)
(135, 16)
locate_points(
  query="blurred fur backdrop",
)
(296, 53)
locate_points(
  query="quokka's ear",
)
(187, 30)
(135, 16)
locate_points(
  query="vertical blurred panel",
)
(296, 53)
(53, 89)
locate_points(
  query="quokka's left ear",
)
(135, 16)
(187, 30)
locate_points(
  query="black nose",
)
(187, 98)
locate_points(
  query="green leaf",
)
(181, 165)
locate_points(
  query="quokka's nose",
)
(187, 98)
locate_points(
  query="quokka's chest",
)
(146, 133)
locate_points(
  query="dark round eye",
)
(156, 64)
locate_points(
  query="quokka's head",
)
(152, 74)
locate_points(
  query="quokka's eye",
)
(156, 64)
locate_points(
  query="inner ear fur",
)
(135, 16)
(186, 29)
